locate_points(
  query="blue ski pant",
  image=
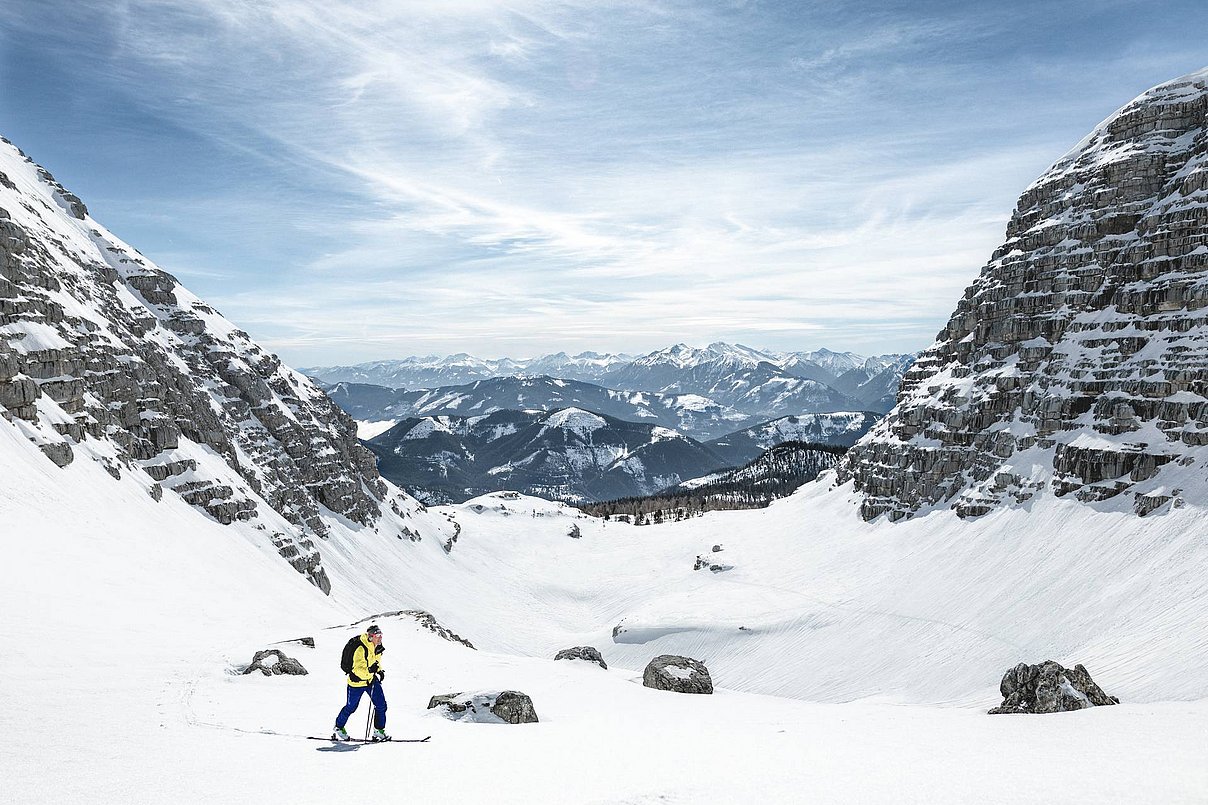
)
(354, 700)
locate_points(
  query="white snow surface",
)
(425, 428)
(30, 336)
(576, 420)
(367, 430)
(853, 660)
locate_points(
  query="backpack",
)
(346, 658)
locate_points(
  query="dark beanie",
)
(373, 630)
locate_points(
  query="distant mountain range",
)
(761, 384)
(702, 392)
(689, 413)
(839, 429)
(577, 455)
(671, 415)
(432, 371)
(570, 454)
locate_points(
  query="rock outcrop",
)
(506, 706)
(677, 674)
(1077, 362)
(272, 662)
(1049, 688)
(105, 355)
(424, 619)
(586, 653)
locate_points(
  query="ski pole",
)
(368, 719)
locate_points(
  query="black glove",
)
(381, 675)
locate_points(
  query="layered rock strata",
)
(102, 354)
(1077, 362)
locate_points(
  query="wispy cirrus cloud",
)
(437, 175)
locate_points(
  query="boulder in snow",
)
(702, 563)
(487, 707)
(582, 653)
(1049, 688)
(272, 662)
(514, 707)
(677, 674)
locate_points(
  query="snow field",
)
(124, 618)
(931, 611)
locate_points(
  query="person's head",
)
(375, 634)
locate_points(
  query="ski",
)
(369, 741)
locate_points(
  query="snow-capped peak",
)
(576, 420)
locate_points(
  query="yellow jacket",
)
(366, 661)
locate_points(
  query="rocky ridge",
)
(105, 356)
(1077, 363)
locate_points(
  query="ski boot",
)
(340, 734)
(379, 735)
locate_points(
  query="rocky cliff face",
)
(105, 357)
(1077, 362)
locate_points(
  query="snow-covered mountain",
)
(570, 454)
(732, 375)
(833, 363)
(689, 413)
(432, 371)
(693, 414)
(875, 384)
(703, 393)
(586, 366)
(469, 444)
(736, 376)
(1077, 363)
(840, 429)
(106, 358)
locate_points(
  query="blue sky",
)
(351, 180)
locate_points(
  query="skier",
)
(362, 661)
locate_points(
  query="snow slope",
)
(127, 616)
(931, 613)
